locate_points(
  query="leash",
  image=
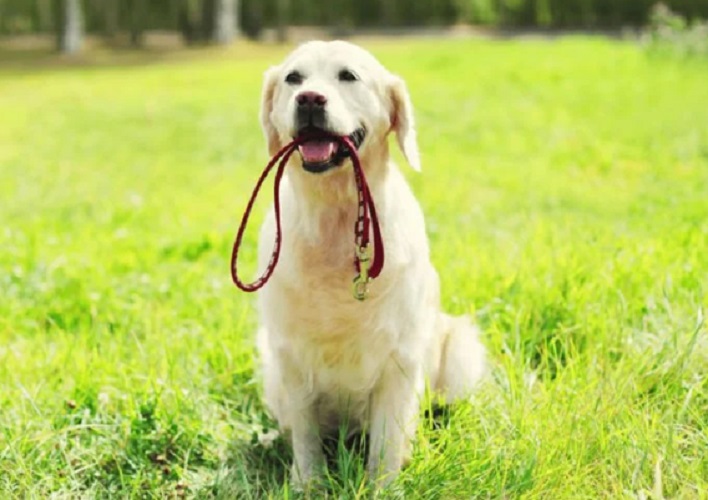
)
(367, 267)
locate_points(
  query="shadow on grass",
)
(255, 469)
(259, 468)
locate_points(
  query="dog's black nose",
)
(311, 99)
(310, 110)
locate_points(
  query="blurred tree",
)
(189, 20)
(215, 21)
(42, 15)
(207, 19)
(339, 17)
(251, 17)
(220, 20)
(111, 17)
(543, 16)
(479, 11)
(283, 19)
(225, 24)
(70, 30)
(389, 13)
(137, 20)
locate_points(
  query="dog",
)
(326, 358)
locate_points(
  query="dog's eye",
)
(346, 75)
(294, 78)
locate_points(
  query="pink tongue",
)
(317, 151)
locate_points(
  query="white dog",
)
(328, 359)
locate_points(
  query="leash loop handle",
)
(283, 155)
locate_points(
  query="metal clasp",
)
(361, 282)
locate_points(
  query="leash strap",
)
(366, 211)
(366, 268)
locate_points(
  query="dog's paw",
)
(379, 477)
(303, 481)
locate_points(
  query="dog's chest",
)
(343, 372)
(341, 341)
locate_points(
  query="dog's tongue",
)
(317, 151)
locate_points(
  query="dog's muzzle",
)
(320, 153)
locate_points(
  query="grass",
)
(565, 188)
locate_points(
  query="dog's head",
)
(341, 89)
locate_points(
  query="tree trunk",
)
(225, 24)
(70, 26)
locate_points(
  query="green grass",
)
(565, 187)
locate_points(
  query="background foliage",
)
(22, 16)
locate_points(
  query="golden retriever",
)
(326, 358)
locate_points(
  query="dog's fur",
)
(328, 359)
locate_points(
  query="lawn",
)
(565, 186)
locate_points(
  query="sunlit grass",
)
(565, 187)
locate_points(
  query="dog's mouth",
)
(322, 152)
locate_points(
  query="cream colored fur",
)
(328, 359)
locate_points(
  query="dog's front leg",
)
(299, 415)
(394, 417)
(307, 447)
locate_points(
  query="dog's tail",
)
(463, 358)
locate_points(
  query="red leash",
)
(366, 215)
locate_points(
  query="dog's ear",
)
(270, 78)
(403, 123)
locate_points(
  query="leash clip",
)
(361, 282)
